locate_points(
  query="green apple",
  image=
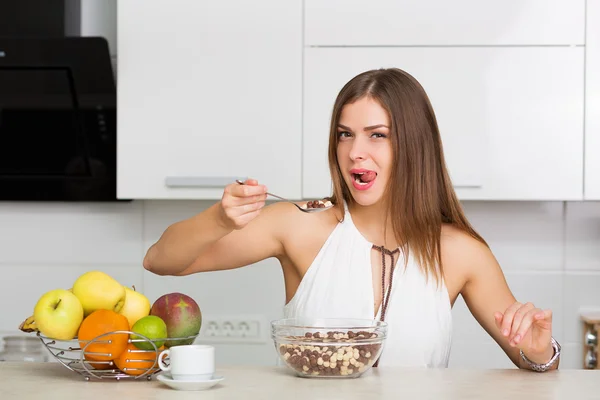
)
(97, 290)
(58, 314)
(136, 306)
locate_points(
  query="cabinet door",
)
(208, 91)
(592, 93)
(443, 22)
(511, 119)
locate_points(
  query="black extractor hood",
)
(58, 138)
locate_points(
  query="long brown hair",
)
(419, 197)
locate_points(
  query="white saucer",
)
(189, 385)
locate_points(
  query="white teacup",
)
(192, 362)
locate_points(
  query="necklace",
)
(385, 295)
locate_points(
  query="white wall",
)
(99, 18)
(550, 253)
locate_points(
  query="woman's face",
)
(364, 150)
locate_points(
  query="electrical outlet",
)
(234, 329)
(212, 329)
(227, 329)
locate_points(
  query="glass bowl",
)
(327, 347)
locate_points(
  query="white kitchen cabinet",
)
(592, 103)
(208, 91)
(511, 118)
(443, 22)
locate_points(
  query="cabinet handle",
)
(200, 181)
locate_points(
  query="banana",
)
(28, 325)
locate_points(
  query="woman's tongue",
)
(366, 177)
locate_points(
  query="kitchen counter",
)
(51, 380)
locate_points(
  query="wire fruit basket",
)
(74, 355)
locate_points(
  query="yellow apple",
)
(58, 314)
(137, 306)
(97, 290)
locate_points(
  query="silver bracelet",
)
(543, 367)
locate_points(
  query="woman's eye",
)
(344, 134)
(379, 135)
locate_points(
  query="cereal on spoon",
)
(324, 203)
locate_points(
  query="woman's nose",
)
(358, 150)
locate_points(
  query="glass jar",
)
(23, 348)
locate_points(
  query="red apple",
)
(182, 316)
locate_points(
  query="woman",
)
(396, 219)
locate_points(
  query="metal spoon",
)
(306, 210)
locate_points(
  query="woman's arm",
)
(182, 241)
(513, 325)
(235, 232)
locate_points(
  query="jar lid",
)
(26, 343)
(21, 339)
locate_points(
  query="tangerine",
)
(105, 348)
(134, 361)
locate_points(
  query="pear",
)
(97, 290)
(136, 307)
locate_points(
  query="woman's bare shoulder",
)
(461, 248)
(462, 255)
(286, 219)
(302, 233)
(455, 236)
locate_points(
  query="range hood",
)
(58, 139)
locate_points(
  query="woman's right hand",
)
(240, 204)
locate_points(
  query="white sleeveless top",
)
(339, 284)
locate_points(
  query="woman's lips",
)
(363, 179)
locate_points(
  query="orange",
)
(102, 365)
(107, 347)
(134, 361)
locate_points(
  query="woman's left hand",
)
(528, 328)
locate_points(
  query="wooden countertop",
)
(28, 381)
